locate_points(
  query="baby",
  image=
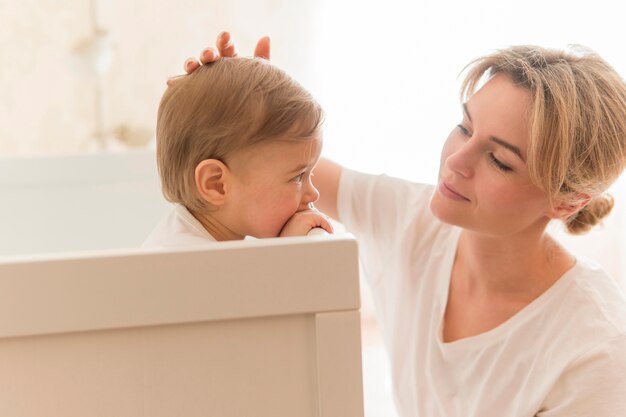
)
(236, 143)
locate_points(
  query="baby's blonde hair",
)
(223, 107)
(577, 122)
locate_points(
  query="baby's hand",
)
(302, 222)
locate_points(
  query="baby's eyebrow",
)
(300, 167)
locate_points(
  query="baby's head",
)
(236, 143)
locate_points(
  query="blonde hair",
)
(223, 107)
(577, 122)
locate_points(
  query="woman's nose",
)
(461, 161)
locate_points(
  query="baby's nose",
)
(312, 195)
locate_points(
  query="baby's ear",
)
(210, 176)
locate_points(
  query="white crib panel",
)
(78, 202)
(264, 328)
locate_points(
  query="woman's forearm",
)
(326, 180)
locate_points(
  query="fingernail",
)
(225, 37)
(229, 42)
(173, 78)
(208, 54)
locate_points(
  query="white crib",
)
(78, 202)
(90, 325)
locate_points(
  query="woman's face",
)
(484, 183)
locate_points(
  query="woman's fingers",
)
(262, 49)
(226, 48)
(209, 55)
(225, 45)
(191, 64)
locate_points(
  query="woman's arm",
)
(326, 177)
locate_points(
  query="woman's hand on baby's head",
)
(301, 223)
(225, 48)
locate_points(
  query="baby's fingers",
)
(326, 225)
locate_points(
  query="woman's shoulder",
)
(589, 341)
(598, 295)
(391, 218)
(358, 182)
(382, 202)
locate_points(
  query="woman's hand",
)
(225, 48)
(304, 221)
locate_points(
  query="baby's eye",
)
(298, 178)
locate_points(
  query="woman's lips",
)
(451, 193)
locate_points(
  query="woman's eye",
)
(463, 130)
(298, 178)
(499, 164)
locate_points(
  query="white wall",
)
(388, 78)
(50, 97)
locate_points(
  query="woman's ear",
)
(211, 176)
(565, 208)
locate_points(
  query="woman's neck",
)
(521, 266)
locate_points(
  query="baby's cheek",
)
(278, 219)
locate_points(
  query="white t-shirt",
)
(178, 228)
(562, 355)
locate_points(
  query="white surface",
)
(136, 332)
(122, 192)
(78, 202)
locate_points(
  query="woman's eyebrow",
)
(509, 146)
(466, 111)
(499, 141)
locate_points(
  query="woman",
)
(482, 311)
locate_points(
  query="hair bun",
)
(592, 214)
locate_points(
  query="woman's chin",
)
(450, 214)
(442, 211)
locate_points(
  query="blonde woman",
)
(482, 312)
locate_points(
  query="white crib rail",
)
(78, 202)
(250, 328)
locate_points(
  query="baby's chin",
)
(265, 234)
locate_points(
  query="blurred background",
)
(86, 76)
